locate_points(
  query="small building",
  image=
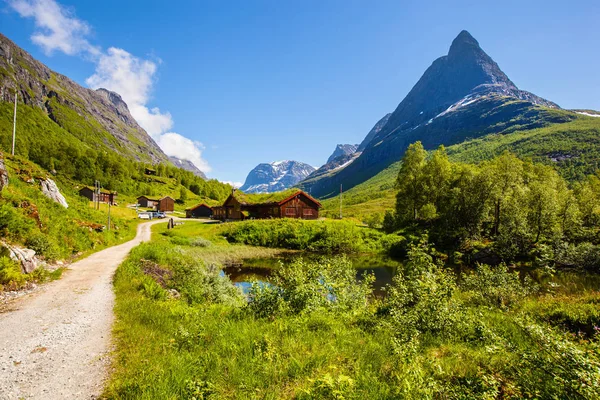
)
(150, 171)
(165, 204)
(199, 211)
(102, 196)
(291, 203)
(146, 202)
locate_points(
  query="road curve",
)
(54, 344)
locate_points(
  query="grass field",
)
(183, 330)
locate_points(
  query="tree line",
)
(513, 207)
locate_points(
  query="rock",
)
(52, 192)
(26, 257)
(3, 174)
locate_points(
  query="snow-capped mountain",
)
(342, 150)
(275, 176)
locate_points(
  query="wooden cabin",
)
(103, 196)
(146, 202)
(287, 204)
(150, 171)
(199, 211)
(165, 204)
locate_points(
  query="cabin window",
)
(307, 212)
(290, 211)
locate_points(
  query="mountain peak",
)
(464, 38)
(276, 176)
(465, 45)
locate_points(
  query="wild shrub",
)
(584, 255)
(421, 298)
(330, 237)
(557, 365)
(43, 245)
(11, 277)
(303, 286)
(12, 223)
(192, 278)
(496, 286)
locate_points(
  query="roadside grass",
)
(184, 331)
(29, 219)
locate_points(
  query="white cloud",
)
(236, 185)
(58, 28)
(116, 69)
(176, 145)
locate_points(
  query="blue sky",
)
(258, 81)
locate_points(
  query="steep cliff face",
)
(461, 95)
(342, 150)
(188, 166)
(101, 114)
(276, 176)
(376, 129)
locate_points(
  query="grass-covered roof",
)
(266, 198)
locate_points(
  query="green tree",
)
(411, 184)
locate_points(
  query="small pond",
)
(246, 271)
(260, 269)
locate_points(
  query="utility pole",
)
(340, 201)
(14, 126)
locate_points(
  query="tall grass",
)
(183, 331)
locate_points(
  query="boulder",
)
(52, 192)
(3, 173)
(26, 257)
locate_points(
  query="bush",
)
(421, 298)
(328, 284)
(584, 255)
(196, 282)
(43, 246)
(496, 286)
(330, 237)
(11, 277)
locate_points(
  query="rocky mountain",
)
(342, 150)
(378, 127)
(98, 118)
(463, 94)
(188, 166)
(276, 176)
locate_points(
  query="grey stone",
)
(51, 191)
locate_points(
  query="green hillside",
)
(572, 147)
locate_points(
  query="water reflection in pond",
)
(243, 273)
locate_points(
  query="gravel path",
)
(55, 343)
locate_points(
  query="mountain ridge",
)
(463, 94)
(109, 122)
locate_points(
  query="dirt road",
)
(54, 344)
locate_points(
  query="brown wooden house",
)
(147, 202)
(165, 204)
(103, 196)
(199, 211)
(291, 203)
